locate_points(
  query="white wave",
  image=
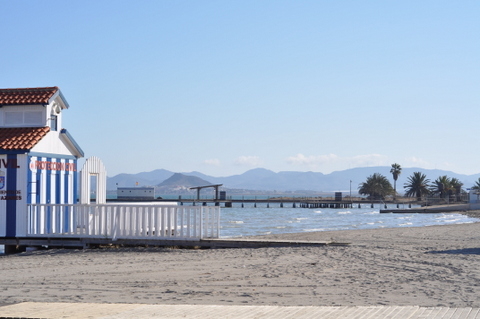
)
(451, 220)
(232, 236)
(340, 228)
(314, 229)
(281, 220)
(448, 215)
(405, 224)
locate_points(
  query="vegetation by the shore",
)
(378, 187)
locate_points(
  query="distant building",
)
(38, 158)
(136, 193)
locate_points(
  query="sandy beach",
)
(425, 266)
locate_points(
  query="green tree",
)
(456, 187)
(477, 185)
(417, 185)
(376, 186)
(442, 186)
(396, 170)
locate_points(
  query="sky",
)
(222, 87)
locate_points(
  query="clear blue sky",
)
(221, 87)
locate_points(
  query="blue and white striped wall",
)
(33, 179)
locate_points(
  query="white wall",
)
(136, 192)
(51, 144)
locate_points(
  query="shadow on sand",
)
(465, 251)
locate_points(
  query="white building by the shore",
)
(136, 193)
(38, 158)
(38, 187)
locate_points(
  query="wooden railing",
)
(123, 221)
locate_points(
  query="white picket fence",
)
(123, 221)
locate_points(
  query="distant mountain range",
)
(261, 179)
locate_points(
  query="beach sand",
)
(425, 266)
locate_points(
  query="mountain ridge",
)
(261, 179)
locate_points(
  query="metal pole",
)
(351, 200)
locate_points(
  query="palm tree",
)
(417, 185)
(396, 170)
(442, 186)
(377, 186)
(456, 186)
(477, 185)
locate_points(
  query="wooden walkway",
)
(120, 311)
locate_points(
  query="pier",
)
(295, 203)
(432, 209)
(281, 202)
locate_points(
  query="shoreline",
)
(468, 213)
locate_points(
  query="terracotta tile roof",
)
(27, 96)
(21, 138)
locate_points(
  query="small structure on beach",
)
(136, 193)
(40, 186)
(38, 158)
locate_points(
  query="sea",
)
(263, 220)
(248, 220)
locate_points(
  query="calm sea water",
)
(249, 221)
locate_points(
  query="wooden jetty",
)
(281, 202)
(411, 211)
(430, 209)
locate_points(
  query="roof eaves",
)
(60, 98)
(71, 144)
(63, 99)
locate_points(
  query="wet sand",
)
(425, 266)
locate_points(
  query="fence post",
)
(115, 223)
(201, 221)
(218, 222)
(29, 219)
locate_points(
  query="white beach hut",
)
(39, 178)
(38, 158)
